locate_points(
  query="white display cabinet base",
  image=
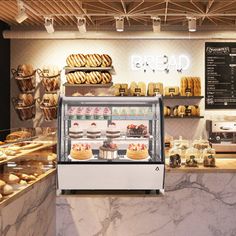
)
(111, 176)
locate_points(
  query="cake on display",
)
(137, 151)
(108, 150)
(137, 130)
(112, 131)
(81, 151)
(75, 131)
(93, 131)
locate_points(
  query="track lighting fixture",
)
(81, 24)
(119, 24)
(192, 24)
(156, 24)
(21, 15)
(49, 25)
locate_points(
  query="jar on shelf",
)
(209, 159)
(175, 157)
(192, 157)
(25, 78)
(201, 144)
(50, 79)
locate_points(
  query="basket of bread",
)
(25, 77)
(24, 106)
(50, 78)
(49, 105)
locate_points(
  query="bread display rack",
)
(111, 143)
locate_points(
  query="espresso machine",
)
(222, 135)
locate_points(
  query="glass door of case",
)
(111, 130)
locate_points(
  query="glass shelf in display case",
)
(110, 143)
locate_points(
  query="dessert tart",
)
(93, 131)
(136, 130)
(75, 131)
(137, 151)
(108, 150)
(81, 151)
(112, 131)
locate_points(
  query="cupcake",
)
(72, 113)
(80, 113)
(98, 115)
(106, 113)
(89, 113)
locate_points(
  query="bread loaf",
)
(94, 77)
(106, 77)
(25, 70)
(106, 60)
(93, 60)
(155, 88)
(171, 91)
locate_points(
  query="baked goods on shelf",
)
(191, 161)
(3, 156)
(112, 131)
(120, 90)
(175, 160)
(76, 60)
(94, 77)
(209, 157)
(190, 86)
(201, 144)
(154, 89)
(179, 111)
(25, 70)
(75, 131)
(25, 99)
(2, 184)
(167, 111)
(81, 151)
(106, 78)
(106, 60)
(137, 151)
(137, 89)
(7, 190)
(17, 136)
(49, 106)
(93, 131)
(137, 130)
(108, 150)
(93, 60)
(171, 91)
(78, 77)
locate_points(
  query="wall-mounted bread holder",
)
(49, 112)
(50, 83)
(26, 84)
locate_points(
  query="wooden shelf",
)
(182, 97)
(72, 69)
(89, 85)
(185, 117)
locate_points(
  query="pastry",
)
(167, 111)
(108, 150)
(112, 131)
(7, 189)
(106, 60)
(106, 78)
(171, 91)
(23, 182)
(18, 135)
(25, 70)
(155, 88)
(120, 90)
(75, 131)
(136, 130)
(2, 184)
(11, 179)
(137, 151)
(191, 111)
(76, 60)
(3, 156)
(181, 111)
(77, 94)
(25, 99)
(94, 77)
(137, 89)
(93, 60)
(93, 131)
(175, 161)
(81, 151)
(106, 113)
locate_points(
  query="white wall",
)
(43, 52)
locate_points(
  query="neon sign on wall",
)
(178, 63)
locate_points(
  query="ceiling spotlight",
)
(49, 25)
(119, 24)
(156, 24)
(192, 24)
(21, 15)
(81, 24)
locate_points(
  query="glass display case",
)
(110, 143)
(26, 156)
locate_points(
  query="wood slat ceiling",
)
(137, 13)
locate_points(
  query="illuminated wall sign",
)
(160, 63)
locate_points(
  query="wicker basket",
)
(49, 112)
(25, 84)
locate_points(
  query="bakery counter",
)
(30, 210)
(223, 165)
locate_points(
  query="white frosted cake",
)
(93, 131)
(112, 131)
(75, 131)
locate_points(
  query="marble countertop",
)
(223, 165)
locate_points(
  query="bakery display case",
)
(26, 157)
(110, 143)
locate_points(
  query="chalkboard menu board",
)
(220, 75)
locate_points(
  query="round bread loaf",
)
(106, 60)
(93, 60)
(106, 77)
(94, 77)
(79, 77)
(25, 70)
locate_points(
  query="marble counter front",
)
(194, 203)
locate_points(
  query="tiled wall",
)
(44, 52)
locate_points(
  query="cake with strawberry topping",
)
(137, 130)
(108, 150)
(93, 131)
(137, 151)
(81, 151)
(75, 131)
(112, 131)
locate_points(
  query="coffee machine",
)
(222, 135)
